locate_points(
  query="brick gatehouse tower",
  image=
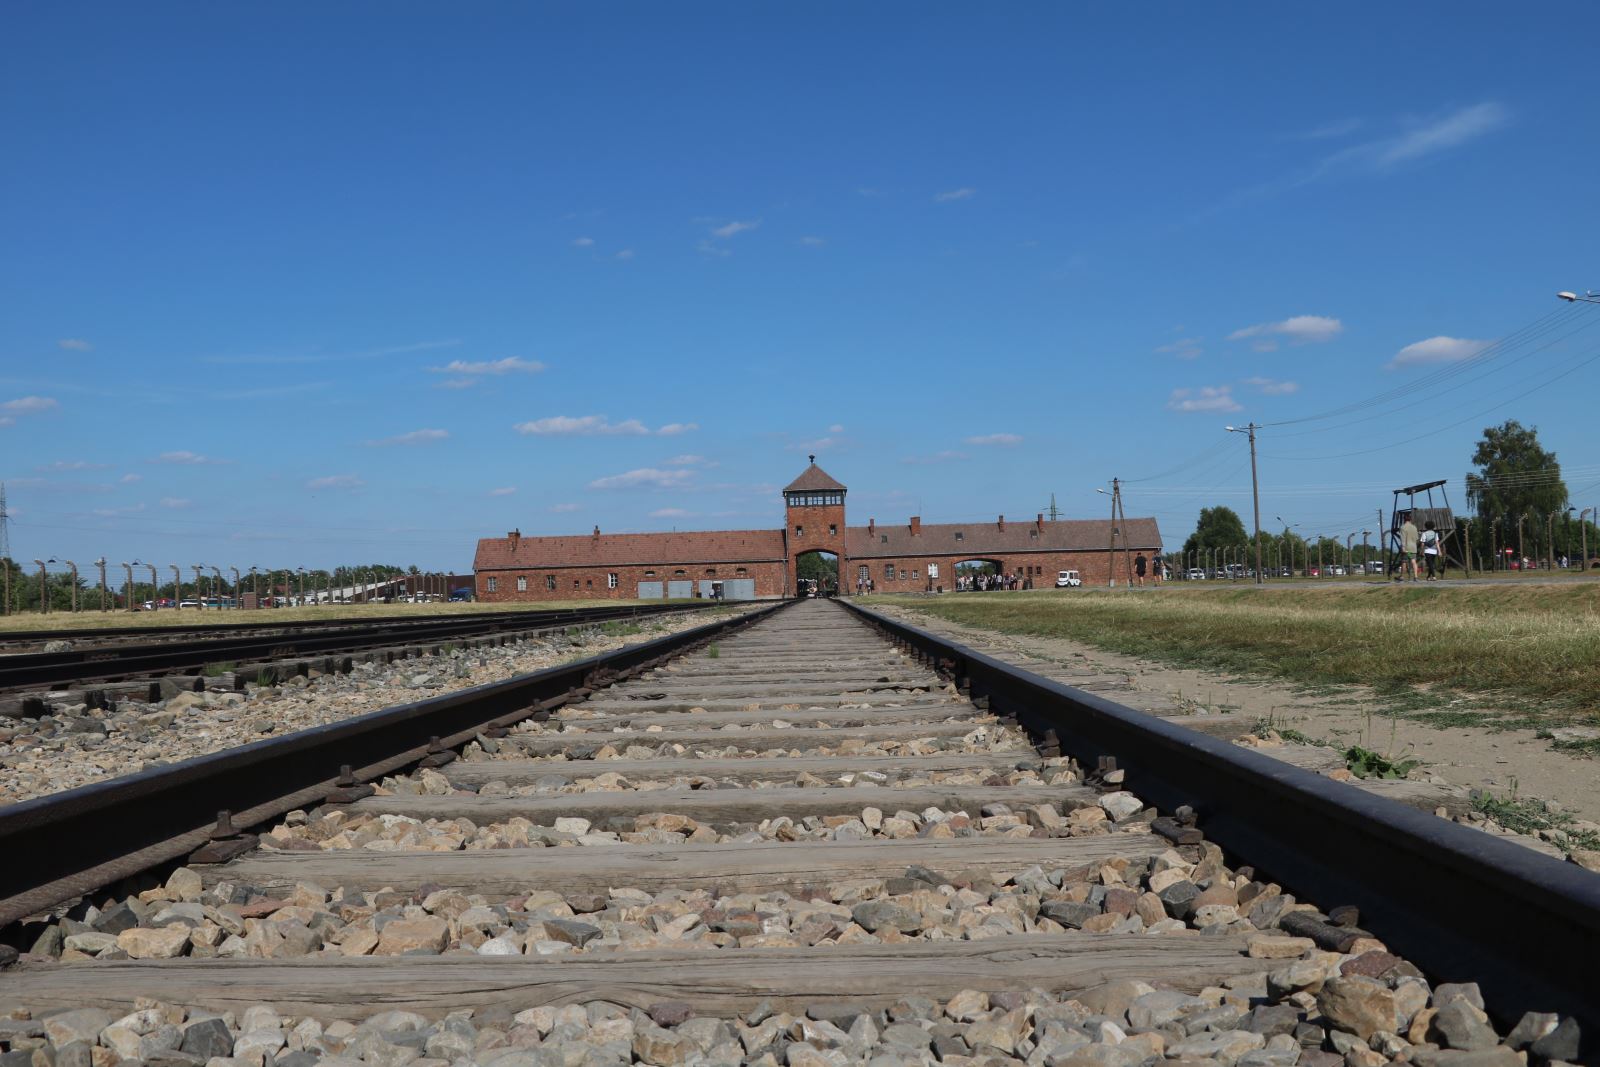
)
(813, 507)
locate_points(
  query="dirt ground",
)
(1498, 761)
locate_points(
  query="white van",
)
(1068, 580)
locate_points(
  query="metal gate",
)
(683, 590)
(650, 590)
(739, 589)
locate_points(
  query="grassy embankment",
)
(1495, 656)
(92, 620)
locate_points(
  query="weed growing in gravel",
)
(621, 629)
(1530, 816)
(713, 652)
(1365, 763)
(216, 670)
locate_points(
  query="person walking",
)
(1139, 565)
(1408, 549)
(1430, 550)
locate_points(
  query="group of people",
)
(1425, 543)
(984, 582)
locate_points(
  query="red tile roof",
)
(986, 538)
(812, 479)
(605, 550)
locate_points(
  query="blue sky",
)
(290, 284)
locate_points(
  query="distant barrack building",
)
(758, 564)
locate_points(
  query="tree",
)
(1219, 527)
(823, 566)
(1516, 478)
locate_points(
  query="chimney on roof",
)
(1002, 524)
(514, 536)
(872, 527)
(597, 531)
(1038, 522)
(916, 526)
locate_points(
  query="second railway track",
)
(798, 844)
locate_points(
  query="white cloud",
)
(74, 465)
(74, 344)
(176, 503)
(456, 383)
(1273, 387)
(673, 429)
(506, 490)
(729, 229)
(415, 437)
(687, 460)
(947, 456)
(709, 248)
(563, 508)
(336, 481)
(183, 457)
(7, 420)
(821, 444)
(813, 242)
(29, 405)
(1454, 129)
(1439, 349)
(1206, 398)
(580, 425)
(583, 242)
(509, 365)
(669, 513)
(836, 428)
(1298, 329)
(625, 254)
(955, 194)
(644, 478)
(1005, 440)
(129, 479)
(1183, 348)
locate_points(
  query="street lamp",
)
(1349, 559)
(255, 586)
(177, 586)
(1287, 526)
(1255, 487)
(1589, 297)
(199, 597)
(44, 589)
(127, 590)
(238, 589)
(216, 576)
(1366, 554)
(302, 572)
(1583, 529)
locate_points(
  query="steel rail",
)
(69, 844)
(47, 669)
(224, 629)
(1460, 903)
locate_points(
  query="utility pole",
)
(1052, 508)
(101, 563)
(1255, 487)
(1111, 549)
(1385, 544)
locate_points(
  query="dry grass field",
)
(91, 620)
(1531, 651)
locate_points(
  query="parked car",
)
(1195, 574)
(1068, 580)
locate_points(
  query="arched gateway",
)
(759, 564)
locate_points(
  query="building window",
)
(494, 583)
(649, 574)
(741, 572)
(883, 539)
(799, 531)
(710, 571)
(522, 584)
(960, 536)
(550, 582)
(902, 575)
(589, 582)
(888, 572)
(611, 580)
(833, 529)
(1033, 533)
(916, 573)
(678, 574)
(863, 573)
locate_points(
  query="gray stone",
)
(1271, 1019)
(117, 918)
(1445, 992)
(1560, 1043)
(1461, 1025)
(75, 1054)
(574, 933)
(1068, 913)
(670, 1013)
(17, 1058)
(1155, 1010)
(1178, 898)
(1531, 1027)
(874, 915)
(208, 1038)
(907, 1035)
(1499, 1056)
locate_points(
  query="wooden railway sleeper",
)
(226, 843)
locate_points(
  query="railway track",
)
(131, 669)
(809, 837)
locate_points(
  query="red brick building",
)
(753, 564)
